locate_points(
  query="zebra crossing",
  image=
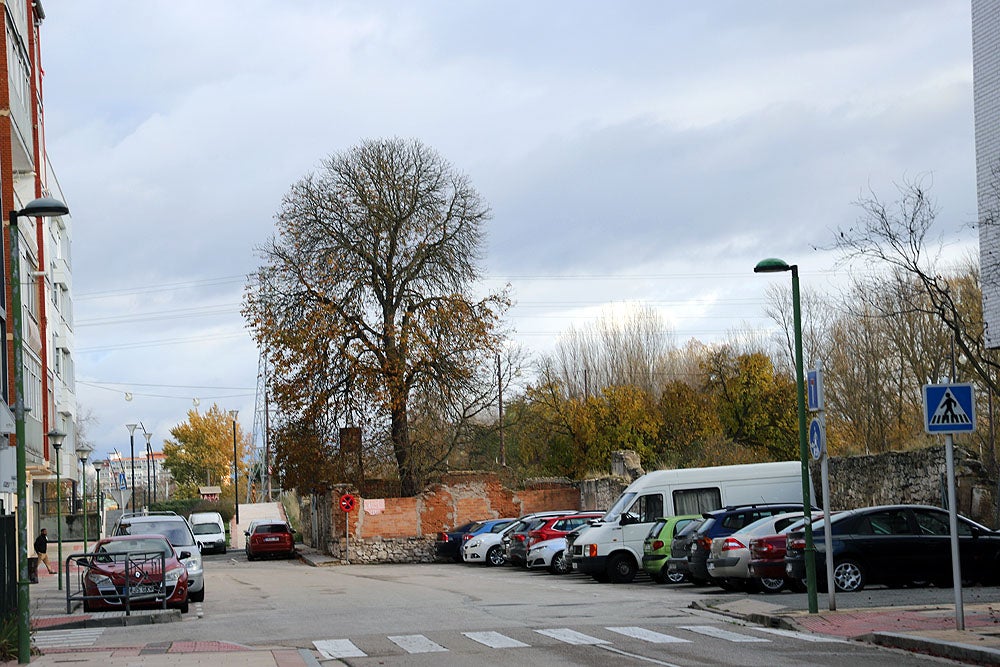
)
(333, 649)
(44, 639)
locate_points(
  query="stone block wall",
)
(916, 476)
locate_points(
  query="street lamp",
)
(236, 469)
(131, 444)
(83, 451)
(149, 455)
(99, 496)
(774, 265)
(44, 207)
(56, 438)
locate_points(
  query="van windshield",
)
(620, 506)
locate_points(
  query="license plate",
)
(272, 539)
(146, 589)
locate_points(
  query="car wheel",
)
(621, 569)
(197, 597)
(848, 575)
(658, 577)
(560, 563)
(770, 585)
(495, 557)
(184, 607)
(676, 577)
(725, 584)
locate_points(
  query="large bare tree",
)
(371, 271)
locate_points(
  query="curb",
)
(935, 647)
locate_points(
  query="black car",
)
(448, 544)
(721, 523)
(676, 568)
(897, 545)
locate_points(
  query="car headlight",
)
(173, 575)
(99, 579)
(193, 564)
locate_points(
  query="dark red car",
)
(145, 569)
(767, 563)
(270, 538)
(558, 526)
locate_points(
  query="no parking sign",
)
(347, 502)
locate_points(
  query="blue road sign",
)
(949, 408)
(817, 438)
(814, 390)
(122, 482)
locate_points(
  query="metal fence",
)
(116, 581)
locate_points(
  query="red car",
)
(559, 526)
(270, 538)
(134, 566)
(767, 563)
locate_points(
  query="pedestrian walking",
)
(42, 549)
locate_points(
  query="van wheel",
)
(621, 569)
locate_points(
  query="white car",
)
(550, 554)
(486, 547)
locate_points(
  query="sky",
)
(631, 153)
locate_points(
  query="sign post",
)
(950, 409)
(817, 447)
(347, 503)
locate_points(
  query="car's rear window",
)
(270, 528)
(206, 529)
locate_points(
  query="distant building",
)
(209, 492)
(986, 94)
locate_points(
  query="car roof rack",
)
(132, 515)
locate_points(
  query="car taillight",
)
(657, 544)
(763, 548)
(442, 537)
(705, 543)
(732, 543)
(592, 550)
(519, 538)
(467, 536)
(796, 542)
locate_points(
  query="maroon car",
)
(270, 538)
(558, 526)
(767, 563)
(141, 570)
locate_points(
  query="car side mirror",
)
(247, 533)
(185, 554)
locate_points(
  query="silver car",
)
(178, 532)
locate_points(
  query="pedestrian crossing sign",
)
(122, 484)
(949, 408)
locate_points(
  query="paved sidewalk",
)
(927, 629)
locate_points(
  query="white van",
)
(611, 548)
(209, 530)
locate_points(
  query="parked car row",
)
(755, 547)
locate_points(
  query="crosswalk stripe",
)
(648, 635)
(416, 644)
(61, 638)
(719, 633)
(804, 636)
(571, 637)
(494, 639)
(332, 649)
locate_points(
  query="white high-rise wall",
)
(986, 91)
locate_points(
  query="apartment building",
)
(45, 271)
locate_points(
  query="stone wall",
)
(916, 477)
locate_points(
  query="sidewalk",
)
(929, 629)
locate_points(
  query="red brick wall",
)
(457, 500)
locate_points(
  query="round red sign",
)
(347, 502)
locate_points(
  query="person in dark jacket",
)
(42, 549)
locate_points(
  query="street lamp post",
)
(56, 438)
(44, 207)
(236, 469)
(83, 453)
(150, 498)
(131, 444)
(773, 265)
(99, 497)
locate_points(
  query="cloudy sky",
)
(645, 152)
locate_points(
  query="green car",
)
(656, 548)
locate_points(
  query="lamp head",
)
(771, 265)
(131, 428)
(83, 451)
(44, 207)
(98, 466)
(56, 438)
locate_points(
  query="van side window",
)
(647, 508)
(696, 501)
